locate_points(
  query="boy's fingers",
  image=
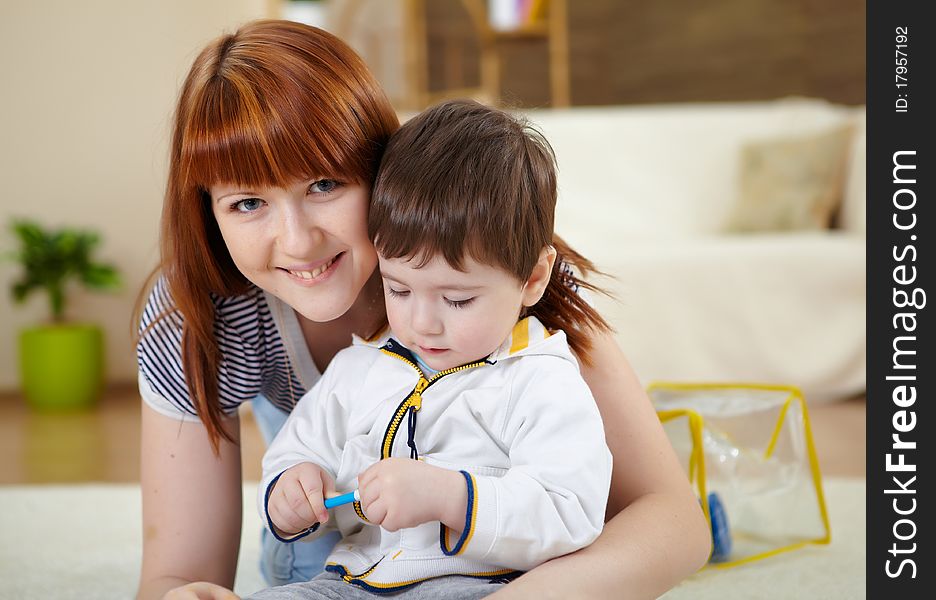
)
(367, 474)
(282, 514)
(369, 493)
(328, 485)
(299, 504)
(313, 490)
(375, 511)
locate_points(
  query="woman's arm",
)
(657, 534)
(191, 505)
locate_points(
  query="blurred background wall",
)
(620, 51)
(626, 51)
(88, 93)
(89, 88)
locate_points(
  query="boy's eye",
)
(459, 303)
(323, 186)
(247, 205)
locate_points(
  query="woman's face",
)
(305, 244)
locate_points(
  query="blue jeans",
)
(288, 563)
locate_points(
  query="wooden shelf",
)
(532, 30)
(552, 29)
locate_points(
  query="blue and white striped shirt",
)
(261, 351)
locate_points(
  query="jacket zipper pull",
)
(415, 399)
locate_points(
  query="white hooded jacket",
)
(521, 426)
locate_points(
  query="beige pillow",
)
(791, 183)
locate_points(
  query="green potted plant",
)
(61, 362)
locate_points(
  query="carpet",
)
(83, 541)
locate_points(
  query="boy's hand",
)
(400, 492)
(297, 501)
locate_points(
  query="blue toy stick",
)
(354, 496)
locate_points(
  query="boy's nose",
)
(424, 320)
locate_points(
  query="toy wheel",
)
(721, 533)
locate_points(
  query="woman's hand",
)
(297, 500)
(397, 493)
(200, 590)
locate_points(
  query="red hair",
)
(272, 103)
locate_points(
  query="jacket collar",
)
(526, 337)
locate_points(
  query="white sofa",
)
(646, 192)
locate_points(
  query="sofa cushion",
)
(791, 183)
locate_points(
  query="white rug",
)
(84, 542)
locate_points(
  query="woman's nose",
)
(299, 234)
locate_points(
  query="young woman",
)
(267, 271)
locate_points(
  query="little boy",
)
(474, 444)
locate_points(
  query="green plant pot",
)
(62, 366)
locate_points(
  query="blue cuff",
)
(271, 527)
(468, 530)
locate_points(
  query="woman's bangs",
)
(244, 146)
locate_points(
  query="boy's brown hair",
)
(461, 178)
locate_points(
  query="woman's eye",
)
(459, 303)
(396, 293)
(323, 186)
(247, 205)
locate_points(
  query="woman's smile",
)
(315, 272)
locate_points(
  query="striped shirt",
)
(262, 351)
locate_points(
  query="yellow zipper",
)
(414, 398)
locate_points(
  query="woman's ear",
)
(535, 286)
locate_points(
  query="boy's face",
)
(449, 317)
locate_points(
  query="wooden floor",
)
(102, 445)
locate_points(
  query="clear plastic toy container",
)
(748, 451)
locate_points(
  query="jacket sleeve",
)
(313, 432)
(552, 499)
